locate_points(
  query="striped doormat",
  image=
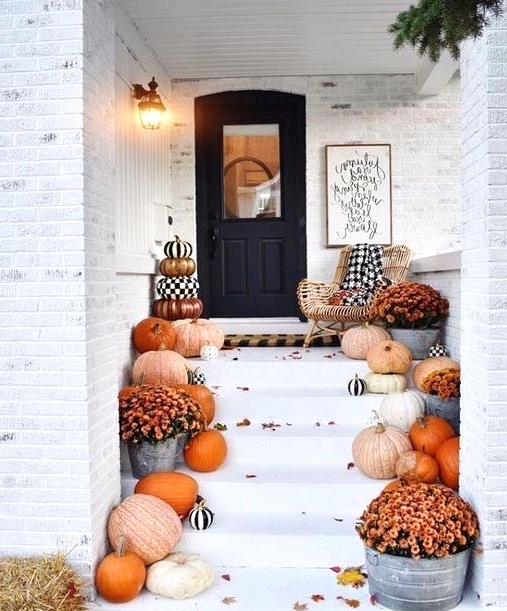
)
(276, 340)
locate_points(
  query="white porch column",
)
(484, 303)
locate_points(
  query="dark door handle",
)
(214, 241)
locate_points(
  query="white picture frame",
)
(358, 194)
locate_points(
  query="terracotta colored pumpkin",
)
(376, 449)
(415, 466)
(184, 266)
(153, 334)
(203, 395)
(164, 367)
(388, 356)
(206, 451)
(175, 309)
(178, 489)
(357, 340)
(385, 382)
(429, 432)
(447, 457)
(120, 575)
(427, 366)
(402, 408)
(192, 335)
(150, 526)
(180, 576)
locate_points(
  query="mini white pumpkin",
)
(180, 575)
(209, 352)
(385, 382)
(402, 408)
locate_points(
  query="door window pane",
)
(251, 172)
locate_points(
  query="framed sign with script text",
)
(358, 182)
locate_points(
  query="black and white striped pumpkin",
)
(178, 287)
(201, 517)
(356, 386)
(177, 249)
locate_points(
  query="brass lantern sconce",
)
(151, 108)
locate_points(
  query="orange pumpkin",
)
(120, 575)
(388, 356)
(153, 334)
(415, 466)
(176, 488)
(429, 432)
(357, 340)
(148, 525)
(160, 367)
(203, 395)
(206, 451)
(427, 366)
(192, 335)
(448, 462)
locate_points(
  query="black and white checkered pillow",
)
(178, 287)
(364, 273)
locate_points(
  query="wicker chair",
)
(314, 297)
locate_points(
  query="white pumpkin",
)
(402, 408)
(209, 352)
(180, 575)
(385, 382)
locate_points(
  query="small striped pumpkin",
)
(149, 526)
(177, 249)
(201, 517)
(356, 386)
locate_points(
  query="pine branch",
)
(432, 26)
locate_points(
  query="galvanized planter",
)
(418, 341)
(425, 584)
(449, 409)
(147, 458)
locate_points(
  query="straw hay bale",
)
(40, 583)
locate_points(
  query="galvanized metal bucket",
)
(147, 458)
(425, 584)
(418, 341)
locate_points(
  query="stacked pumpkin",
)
(405, 442)
(389, 362)
(178, 287)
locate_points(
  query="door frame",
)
(203, 206)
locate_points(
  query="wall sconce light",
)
(151, 108)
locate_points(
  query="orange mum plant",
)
(419, 520)
(444, 383)
(156, 413)
(410, 305)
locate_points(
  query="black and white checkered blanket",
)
(364, 274)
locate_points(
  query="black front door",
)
(251, 202)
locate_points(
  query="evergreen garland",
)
(435, 25)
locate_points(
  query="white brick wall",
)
(423, 133)
(484, 303)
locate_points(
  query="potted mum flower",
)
(412, 312)
(443, 389)
(154, 422)
(413, 534)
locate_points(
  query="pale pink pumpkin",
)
(160, 367)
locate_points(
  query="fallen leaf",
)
(338, 519)
(242, 387)
(373, 600)
(350, 465)
(300, 606)
(331, 422)
(317, 424)
(352, 576)
(350, 602)
(336, 569)
(288, 424)
(317, 598)
(250, 475)
(244, 422)
(229, 600)
(220, 427)
(270, 425)
(226, 577)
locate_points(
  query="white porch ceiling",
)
(197, 39)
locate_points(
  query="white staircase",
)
(288, 496)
